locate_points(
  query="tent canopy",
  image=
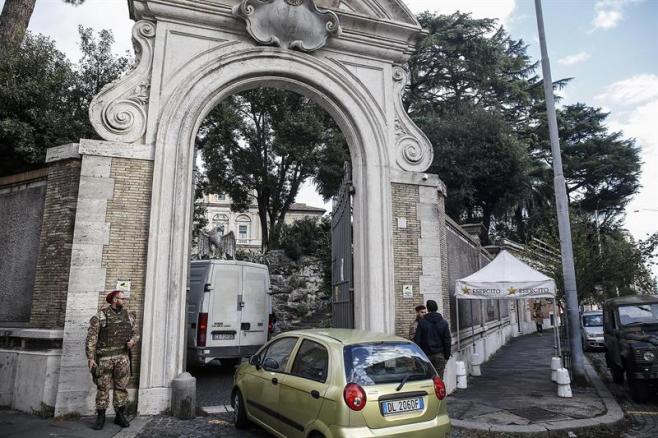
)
(506, 277)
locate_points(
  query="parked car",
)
(341, 383)
(591, 324)
(630, 327)
(229, 305)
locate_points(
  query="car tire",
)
(639, 389)
(617, 373)
(239, 412)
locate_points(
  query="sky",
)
(608, 47)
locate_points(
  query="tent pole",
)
(472, 325)
(457, 313)
(557, 331)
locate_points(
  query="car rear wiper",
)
(404, 380)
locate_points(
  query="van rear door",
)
(199, 271)
(224, 320)
(255, 312)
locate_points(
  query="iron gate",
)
(342, 301)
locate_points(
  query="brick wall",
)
(52, 276)
(128, 214)
(406, 259)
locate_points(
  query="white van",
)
(229, 304)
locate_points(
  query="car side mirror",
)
(255, 361)
(270, 364)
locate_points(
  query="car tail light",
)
(355, 396)
(201, 331)
(439, 388)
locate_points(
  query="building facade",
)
(246, 225)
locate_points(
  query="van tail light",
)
(355, 397)
(270, 324)
(202, 329)
(439, 388)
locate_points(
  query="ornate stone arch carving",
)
(119, 111)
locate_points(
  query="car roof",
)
(631, 299)
(347, 336)
(593, 312)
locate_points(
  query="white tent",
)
(506, 277)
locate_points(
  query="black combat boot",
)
(120, 417)
(100, 419)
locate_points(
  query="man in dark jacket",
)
(433, 337)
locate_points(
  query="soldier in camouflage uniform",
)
(110, 337)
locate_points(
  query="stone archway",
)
(348, 58)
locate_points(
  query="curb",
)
(613, 417)
(137, 424)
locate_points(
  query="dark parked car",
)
(630, 326)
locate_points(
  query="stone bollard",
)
(476, 361)
(183, 396)
(556, 364)
(563, 381)
(461, 375)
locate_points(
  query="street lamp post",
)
(562, 206)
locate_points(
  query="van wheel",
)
(239, 413)
(617, 373)
(639, 389)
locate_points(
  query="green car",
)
(341, 383)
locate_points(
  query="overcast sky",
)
(609, 47)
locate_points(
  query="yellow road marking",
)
(641, 413)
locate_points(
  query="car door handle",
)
(275, 381)
(315, 394)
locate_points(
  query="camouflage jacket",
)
(98, 321)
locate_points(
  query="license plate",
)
(392, 407)
(223, 336)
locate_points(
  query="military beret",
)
(111, 296)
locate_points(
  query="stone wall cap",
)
(32, 333)
(64, 152)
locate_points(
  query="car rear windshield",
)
(385, 362)
(593, 320)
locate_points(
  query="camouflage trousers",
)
(113, 373)
(439, 362)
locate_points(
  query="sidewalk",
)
(515, 395)
(14, 424)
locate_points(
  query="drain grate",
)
(534, 413)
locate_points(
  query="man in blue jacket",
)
(433, 337)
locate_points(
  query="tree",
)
(260, 146)
(482, 163)
(15, 18)
(608, 261)
(44, 99)
(602, 168)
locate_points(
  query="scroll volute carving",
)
(413, 150)
(291, 24)
(119, 111)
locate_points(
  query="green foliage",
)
(608, 261)
(306, 237)
(259, 146)
(44, 99)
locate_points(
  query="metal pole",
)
(470, 302)
(457, 312)
(562, 205)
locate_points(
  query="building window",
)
(243, 223)
(221, 196)
(243, 232)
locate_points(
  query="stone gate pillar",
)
(136, 185)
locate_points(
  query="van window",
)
(280, 350)
(311, 362)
